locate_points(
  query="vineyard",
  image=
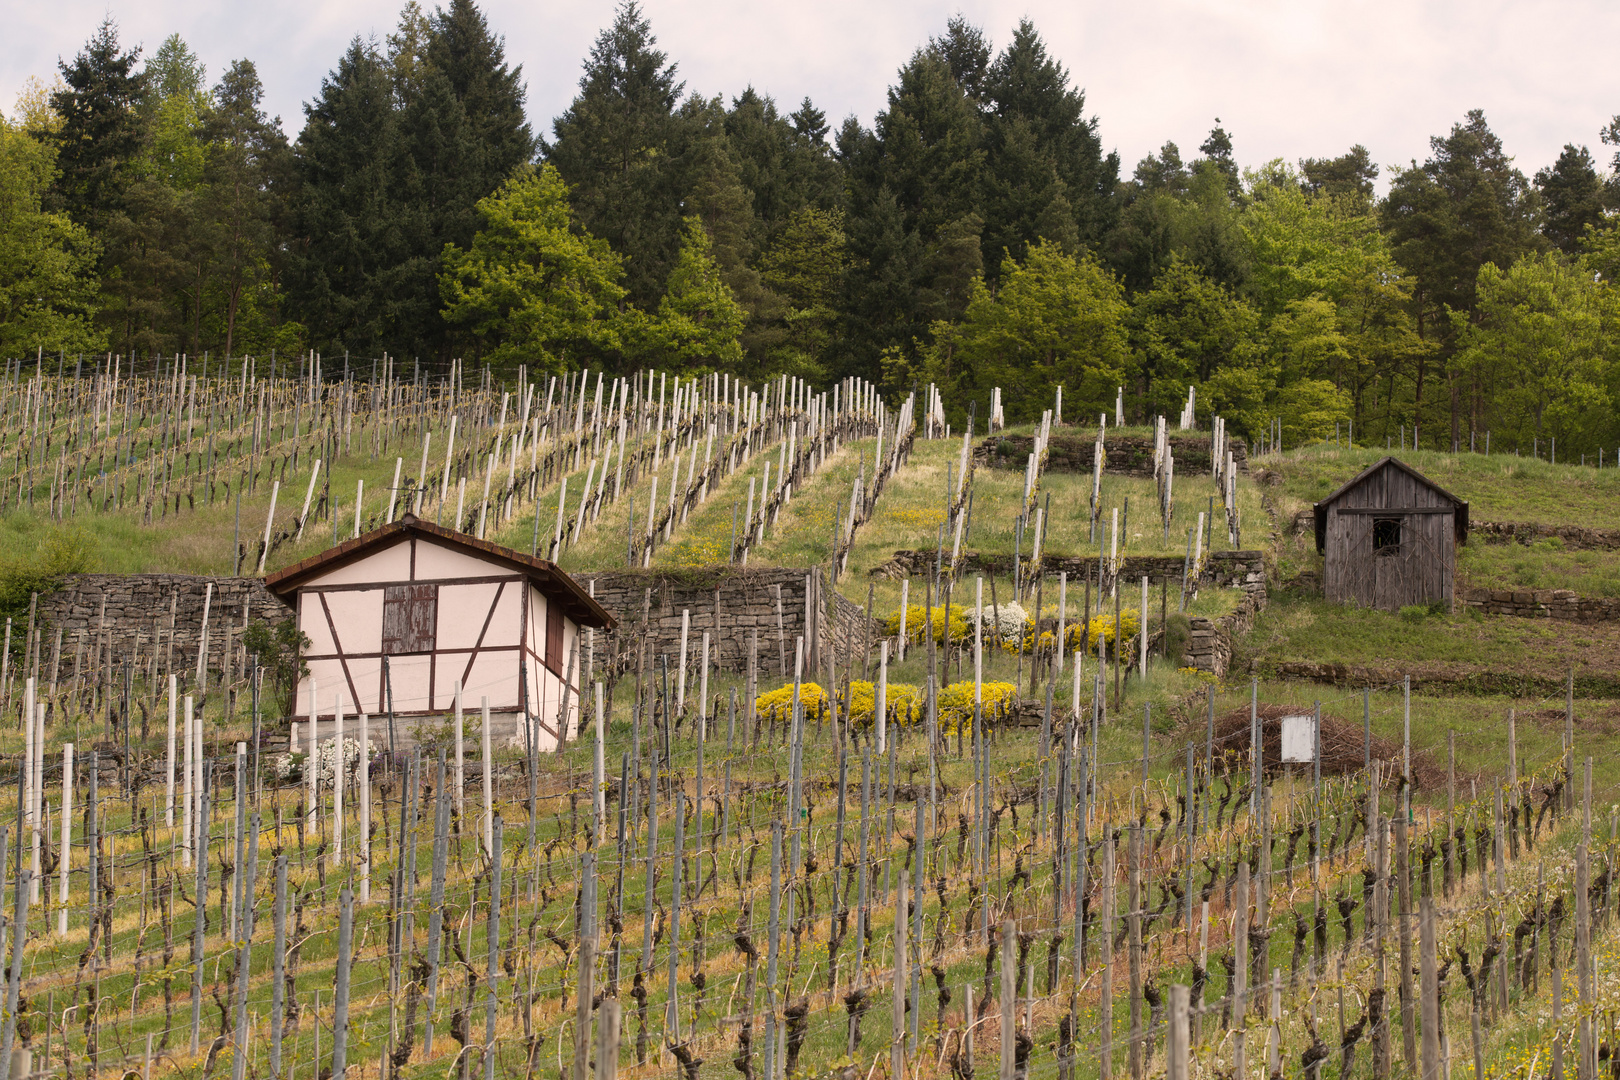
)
(1001, 824)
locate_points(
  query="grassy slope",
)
(1176, 718)
(1436, 644)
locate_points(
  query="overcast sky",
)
(1301, 78)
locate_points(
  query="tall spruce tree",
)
(915, 189)
(437, 202)
(473, 61)
(1047, 175)
(102, 131)
(612, 146)
(349, 242)
(785, 162)
(248, 177)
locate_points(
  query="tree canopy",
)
(978, 230)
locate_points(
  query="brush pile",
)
(1343, 749)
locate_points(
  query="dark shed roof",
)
(546, 576)
(1459, 520)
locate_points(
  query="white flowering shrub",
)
(1010, 620)
(288, 766)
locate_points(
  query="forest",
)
(977, 234)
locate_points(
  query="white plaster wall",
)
(392, 563)
(463, 609)
(356, 615)
(409, 676)
(435, 562)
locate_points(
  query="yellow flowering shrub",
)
(1102, 626)
(916, 615)
(903, 702)
(956, 703)
(777, 705)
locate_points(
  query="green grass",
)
(198, 538)
(1422, 642)
(1497, 488)
(1543, 564)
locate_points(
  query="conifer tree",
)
(473, 60)
(612, 146)
(248, 177)
(698, 319)
(1047, 175)
(101, 133)
(348, 244)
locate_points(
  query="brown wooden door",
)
(410, 619)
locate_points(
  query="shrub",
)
(903, 702)
(956, 703)
(41, 570)
(916, 615)
(1102, 626)
(777, 705)
(279, 649)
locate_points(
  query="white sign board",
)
(1299, 739)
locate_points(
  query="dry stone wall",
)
(128, 613)
(1560, 604)
(1209, 646)
(135, 615)
(747, 598)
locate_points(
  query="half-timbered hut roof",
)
(552, 582)
(1460, 519)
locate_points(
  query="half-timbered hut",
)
(1389, 537)
(402, 617)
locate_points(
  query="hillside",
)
(689, 965)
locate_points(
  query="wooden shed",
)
(1389, 539)
(400, 618)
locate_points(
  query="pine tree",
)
(1351, 174)
(1462, 208)
(612, 147)
(1572, 198)
(101, 134)
(1217, 151)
